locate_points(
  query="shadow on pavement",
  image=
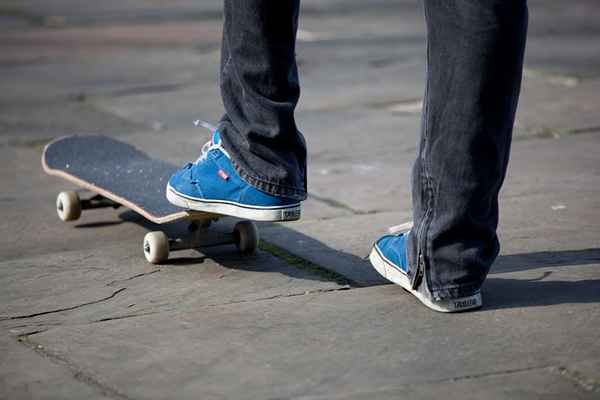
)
(508, 293)
(501, 293)
(225, 255)
(98, 224)
(544, 259)
(498, 292)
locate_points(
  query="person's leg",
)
(474, 67)
(254, 167)
(260, 89)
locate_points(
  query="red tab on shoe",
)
(223, 175)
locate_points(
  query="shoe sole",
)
(254, 213)
(394, 275)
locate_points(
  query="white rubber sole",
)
(393, 274)
(254, 213)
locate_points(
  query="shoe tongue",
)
(216, 138)
(216, 141)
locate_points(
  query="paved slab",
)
(563, 38)
(341, 342)
(113, 282)
(530, 384)
(552, 107)
(27, 375)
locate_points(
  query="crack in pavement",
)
(490, 373)
(396, 387)
(132, 277)
(116, 292)
(274, 297)
(339, 205)
(586, 129)
(78, 373)
(281, 296)
(118, 317)
(31, 333)
(581, 381)
(563, 371)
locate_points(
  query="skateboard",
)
(114, 174)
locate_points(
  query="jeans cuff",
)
(454, 292)
(271, 188)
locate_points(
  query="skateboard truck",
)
(157, 245)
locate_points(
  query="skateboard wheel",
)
(68, 206)
(156, 247)
(246, 234)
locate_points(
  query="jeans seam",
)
(426, 250)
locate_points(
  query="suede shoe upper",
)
(392, 248)
(213, 178)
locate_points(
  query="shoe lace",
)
(206, 147)
(402, 228)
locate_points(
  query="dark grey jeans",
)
(474, 66)
(260, 89)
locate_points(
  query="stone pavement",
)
(83, 315)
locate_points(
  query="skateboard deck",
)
(117, 171)
(121, 175)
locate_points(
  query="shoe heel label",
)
(291, 214)
(465, 303)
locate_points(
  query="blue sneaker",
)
(389, 258)
(212, 185)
